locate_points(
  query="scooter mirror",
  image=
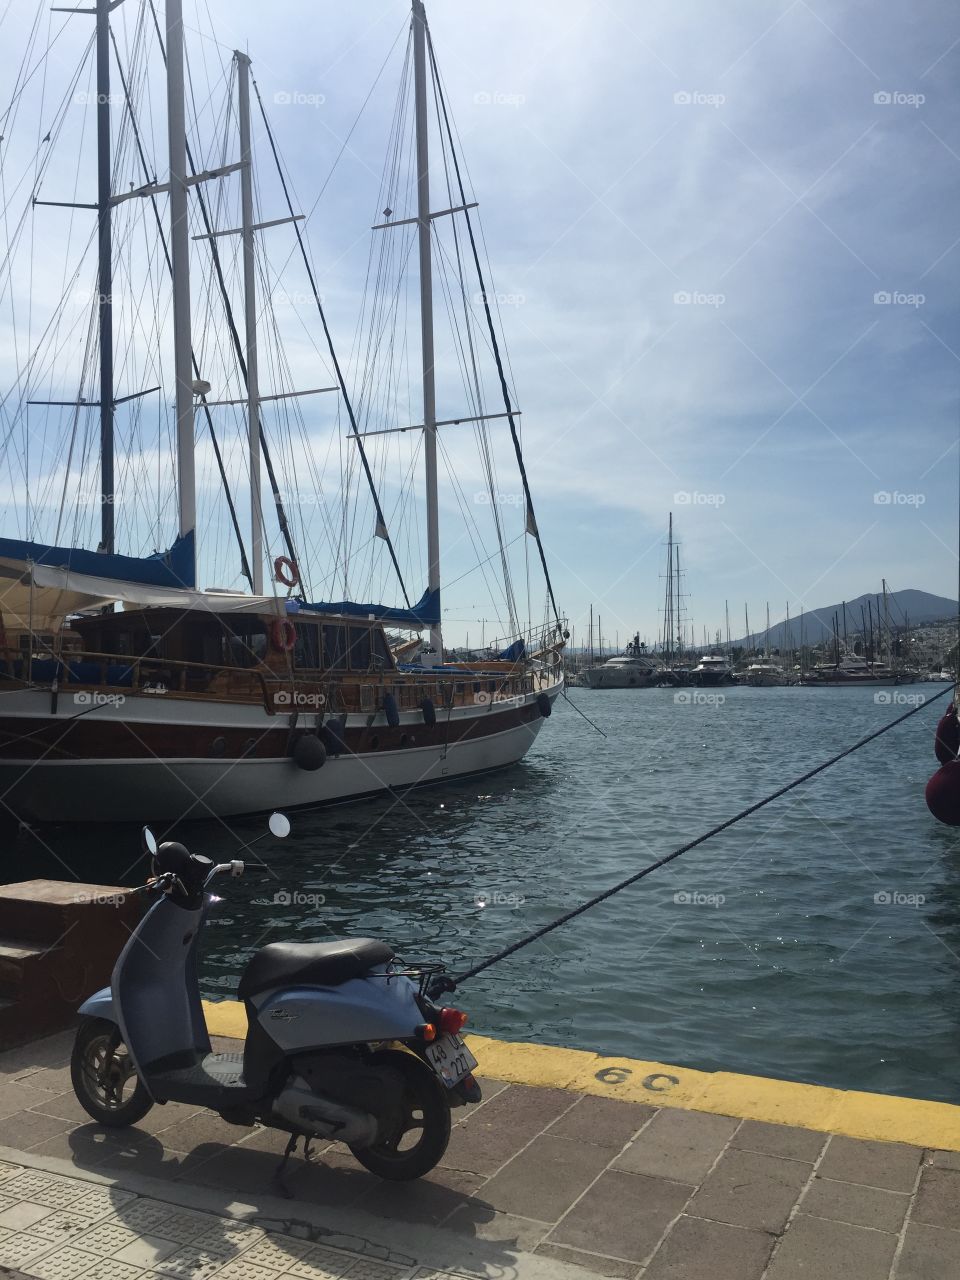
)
(279, 825)
(149, 842)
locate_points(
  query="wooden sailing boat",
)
(191, 702)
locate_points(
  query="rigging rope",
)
(381, 519)
(231, 324)
(507, 402)
(148, 177)
(446, 982)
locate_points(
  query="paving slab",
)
(814, 1249)
(855, 1204)
(623, 1215)
(929, 1253)
(890, 1165)
(700, 1250)
(938, 1198)
(682, 1145)
(746, 1189)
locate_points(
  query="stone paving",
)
(535, 1182)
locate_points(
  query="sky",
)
(725, 244)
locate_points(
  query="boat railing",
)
(115, 675)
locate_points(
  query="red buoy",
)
(946, 742)
(943, 794)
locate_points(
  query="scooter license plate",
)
(451, 1059)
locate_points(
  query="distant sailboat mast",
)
(668, 617)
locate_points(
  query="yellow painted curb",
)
(882, 1117)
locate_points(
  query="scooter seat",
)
(324, 964)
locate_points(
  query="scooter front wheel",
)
(415, 1138)
(104, 1077)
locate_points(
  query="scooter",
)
(343, 1041)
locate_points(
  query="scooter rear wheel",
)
(419, 1135)
(104, 1078)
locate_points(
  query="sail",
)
(425, 613)
(172, 568)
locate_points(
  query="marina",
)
(422, 862)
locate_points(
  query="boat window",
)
(360, 648)
(380, 649)
(334, 647)
(306, 652)
(245, 648)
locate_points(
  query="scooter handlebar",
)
(235, 869)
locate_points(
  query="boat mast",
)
(668, 622)
(105, 276)
(250, 320)
(801, 641)
(180, 257)
(746, 623)
(678, 618)
(426, 309)
(886, 623)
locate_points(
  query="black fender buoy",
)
(332, 736)
(429, 712)
(391, 710)
(546, 708)
(309, 753)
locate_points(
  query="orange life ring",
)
(286, 571)
(283, 634)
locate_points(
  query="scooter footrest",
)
(205, 1082)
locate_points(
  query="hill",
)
(904, 607)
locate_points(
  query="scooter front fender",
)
(99, 1005)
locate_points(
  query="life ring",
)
(286, 572)
(283, 634)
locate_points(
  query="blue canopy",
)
(173, 568)
(425, 613)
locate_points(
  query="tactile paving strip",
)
(108, 1238)
(111, 1269)
(243, 1270)
(364, 1270)
(63, 1264)
(189, 1263)
(278, 1252)
(320, 1264)
(44, 1188)
(62, 1226)
(20, 1248)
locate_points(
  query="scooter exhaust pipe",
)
(309, 1112)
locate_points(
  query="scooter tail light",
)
(451, 1021)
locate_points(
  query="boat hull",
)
(712, 679)
(88, 777)
(605, 678)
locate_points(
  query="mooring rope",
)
(449, 982)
